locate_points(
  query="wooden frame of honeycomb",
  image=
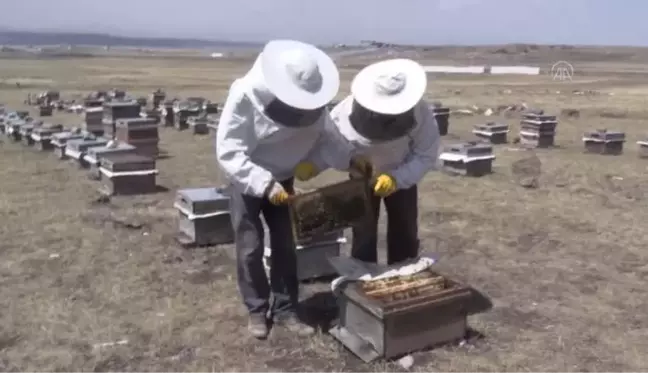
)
(401, 288)
(331, 208)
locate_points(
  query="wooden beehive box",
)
(392, 317)
(25, 133)
(210, 108)
(157, 97)
(204, 217)
(114, 110)
(198, 125)
(538, 130)
(139, 132)
(495, 133)
(643, 148)
(313, 257)
(167, 113)
(13, 129)
(468, 159)
(93, 103)
(45, 110)
(128, 174)
(329, 209)
(182, 115)
(42, 135)
(77, 148)
(59, 141)
(603, 141)
(95, 154)
(93, 120)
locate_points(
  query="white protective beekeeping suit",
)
(253, 149)
(407, 158)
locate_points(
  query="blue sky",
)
(620, 22)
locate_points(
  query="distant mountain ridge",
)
(15, 38)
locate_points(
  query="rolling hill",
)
(16, 38)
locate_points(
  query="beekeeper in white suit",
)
(272, 127)
(387, 120)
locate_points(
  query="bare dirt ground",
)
(94, 286)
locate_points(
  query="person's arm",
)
(235, 139)
(331, 149)
(424, 149)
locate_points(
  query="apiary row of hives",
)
(194, 113)
(391, 316)
(536, 130)
(120, 167)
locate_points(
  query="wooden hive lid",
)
(125, 162)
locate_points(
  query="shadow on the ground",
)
(319, 310)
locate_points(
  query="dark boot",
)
(258, 326)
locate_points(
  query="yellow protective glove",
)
(305, 171)
(277, 194)
(279, 198)
(385, 185)
(360, 167)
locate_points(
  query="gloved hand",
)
(360, 167)
(385, 185)
(277, 194)
(305, 171)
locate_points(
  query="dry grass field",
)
(95, 286)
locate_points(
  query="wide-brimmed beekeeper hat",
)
(390, 87)
(299, 74)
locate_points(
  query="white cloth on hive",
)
(351, 270)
